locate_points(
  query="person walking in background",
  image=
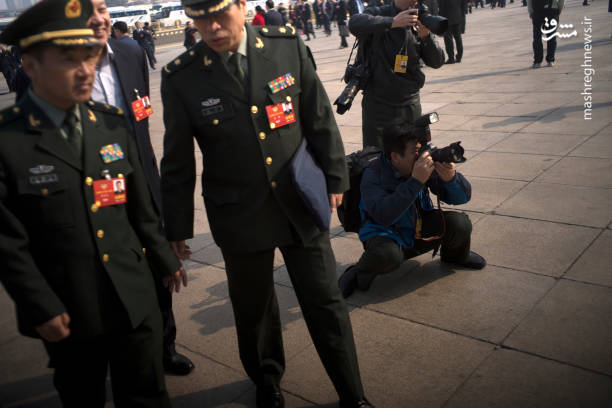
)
(150, 41)
(140, 36)
(120, 32)
(541, 13)
(190, 35)
(453, 10)
(259, 18)
(272, 17)
(303, 12)
(283, 12)
(340, 17)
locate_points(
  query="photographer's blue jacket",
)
(388, 201)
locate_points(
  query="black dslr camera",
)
(436, 24)
(452, 153)
(356, 77)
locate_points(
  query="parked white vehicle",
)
(171, 14)
(130, 15)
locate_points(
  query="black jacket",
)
(373, 29)
(453, 10)
(273, 18)
(131, 67)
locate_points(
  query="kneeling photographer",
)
(399, 218)
(394, 39)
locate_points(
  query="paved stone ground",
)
(533, 329)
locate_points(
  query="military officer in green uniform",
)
(249, 96)
(76, 220)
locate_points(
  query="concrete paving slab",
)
(470, 140)
(570, 120)
(484, 304)
(597, 146)
(594, 264)
(488, 193)
(546, 100)
(468, 108)
(572, 324)
(511, 379)
(537, 246)
(579, 171)
(540, 143)
(430, 362)
(496, 123)
(519, 109)
(488, 97)
(511, 166)
(210, 384)
(586, 206)
(450, 122)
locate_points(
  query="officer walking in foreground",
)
(77, 220)
(394, 44)
(250, 96)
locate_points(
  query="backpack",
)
(357, 162)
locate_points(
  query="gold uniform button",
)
(105, 257)
(16, 109)
(94, 208)
(144, 250)
(44, 191)
(89, 181)
(215, 122)
(288, 98)
(120, 175)
(90, 103)
(262, 135)
(264, 30)
(100, 233)
(191, 53)
(268, 161)
(254, 110)
(282, 30)
(273, 184)
(272, 125)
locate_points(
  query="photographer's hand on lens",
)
(405, 18)
(423, 168)
(422, 30)
(446, 171)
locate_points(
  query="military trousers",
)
(551, 45)
(135, 359)
(312, 269)
(376, 115)
(383, 254)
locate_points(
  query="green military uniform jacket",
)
(60, 251)
(247, 188)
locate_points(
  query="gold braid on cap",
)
(50, 35)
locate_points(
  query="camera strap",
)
(425, 223)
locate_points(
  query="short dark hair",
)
(121, 26)
(269, 4)
(396, 136)
(258, 8)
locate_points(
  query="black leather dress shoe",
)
(269, 396)
(364, 403)
(474, 261)
(450, 61)
(348, 281)
(178, 364)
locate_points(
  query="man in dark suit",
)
(272, 17)
(228, 92)
(454, 11)
(72, 249)
(122, 77)
(190, 35)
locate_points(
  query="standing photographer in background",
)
(400, 220)
(394, 41)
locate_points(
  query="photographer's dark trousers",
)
(453, 31)
(551, 44)
(312, 269)
(376, 115)
(383, 255)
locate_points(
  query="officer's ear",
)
(32, 59)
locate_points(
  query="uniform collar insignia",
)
(33, 121)
(42, 169)
(211, 102)
(92, 117)
(258, 43)
(207, 61)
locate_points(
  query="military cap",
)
(205, 8)
(58, 22)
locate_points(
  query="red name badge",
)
(142, 108)
(280, 115)
(110, 192)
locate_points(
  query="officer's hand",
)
(335, 200)
(446, 171)
(173, 282)
(423, 168)
(405, 18)
(181, 249)
(55, 329)
(422, 30)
